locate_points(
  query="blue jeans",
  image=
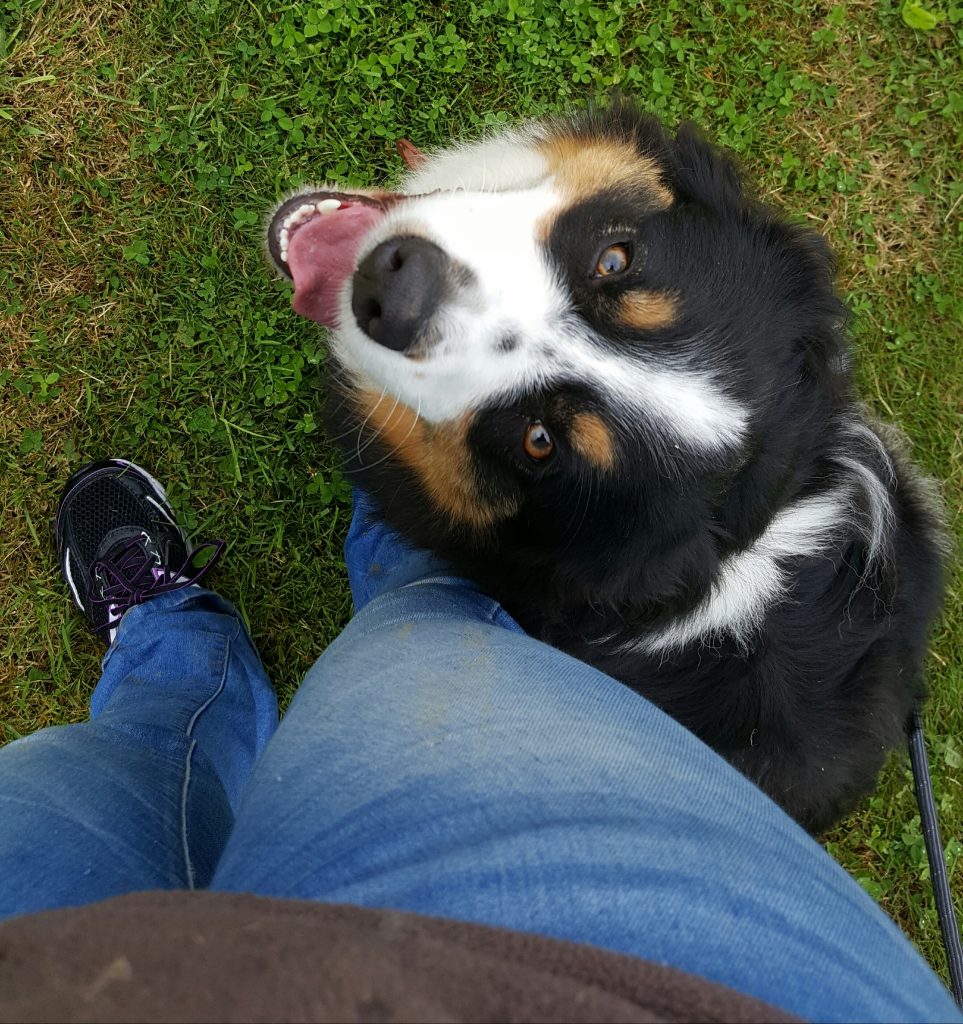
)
(437, 759)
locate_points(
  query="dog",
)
(581, 362)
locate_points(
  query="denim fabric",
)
(437, 759)
(143, 795)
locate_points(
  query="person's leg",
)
(144, 794)
(436, 761)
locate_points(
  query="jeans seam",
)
(488, 616)
(448, 580)
(185, 844)
(188, 761)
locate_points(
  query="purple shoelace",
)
(125, 576)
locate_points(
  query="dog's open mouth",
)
(314, 238)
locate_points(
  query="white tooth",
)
(300, 214)
(327, 205)
(284, 237)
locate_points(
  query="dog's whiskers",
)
(378, 433)
(364, 422)
(351, 430)
(569, 532)
(398, 446)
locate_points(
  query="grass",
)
(142, 142)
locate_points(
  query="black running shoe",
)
(119, 544)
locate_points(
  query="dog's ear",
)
(795, 263)
(410, 154)
(702, 173)
(708, 176)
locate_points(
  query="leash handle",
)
(949, 925)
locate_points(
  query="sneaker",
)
(119, 544)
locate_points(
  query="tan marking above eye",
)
(437, 454)
(591, 438)
(583, 166)
(647, 311)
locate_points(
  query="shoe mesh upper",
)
(104, 507)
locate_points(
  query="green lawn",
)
(142, 142)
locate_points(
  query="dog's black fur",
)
(808, 703)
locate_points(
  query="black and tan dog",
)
(577, 360)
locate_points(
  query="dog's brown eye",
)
(538, 443)
(615, 260)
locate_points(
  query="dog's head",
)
(575, 338)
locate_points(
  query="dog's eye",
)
(615, 260)
(538, 443)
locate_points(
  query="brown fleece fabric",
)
(199, 956)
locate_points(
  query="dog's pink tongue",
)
(323, 255)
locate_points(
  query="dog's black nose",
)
(397, 286)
